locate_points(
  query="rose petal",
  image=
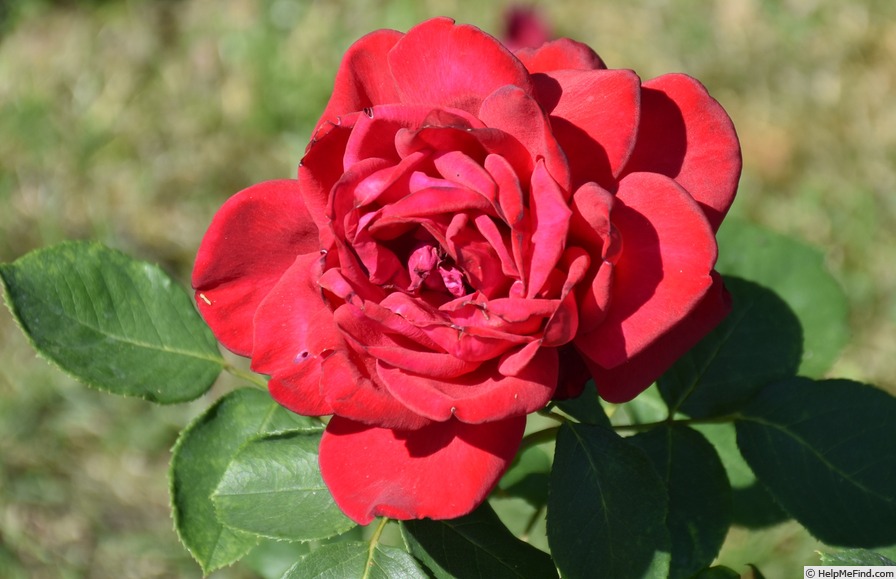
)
(252, 240)
(550, 215)
(564, 324)
(499, 242)
(483, 395)
(363, 79)
(439, 63)
(685, 134)
(474, 343)
(668, 252)
(372, 337)
(574, 374)
(515, 112)
(475, 257)
(389, 184)
(559, 54)
(627, 380)
(373, 134)
(513, 210)
(462, 170)
(294, 333)
(442, 471)
(594, 115)
(351, 388)
(321, 168)
(590, 226)
(436, 200)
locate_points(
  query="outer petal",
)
(668, 252)
(687, 135)
(594, 115)
(363, 79)
(624, 382)
(439, 63)
(560, 54)
(322, 167)
(294, 334)
(252, 240)
(441, 471)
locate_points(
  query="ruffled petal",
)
(591, 227)
(515, 112)
(663, 271)
(252, 240)
(370, 336)
(439, 63)
(564, 323)
(685, 134)
(550, 216)
(363, 79)
(594, 115)
(483, 395)
(294, 334)
(560, 54)
(321, 168)
(441, 471)
(352, 389)
(624, 382)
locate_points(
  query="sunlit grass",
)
(131, 122)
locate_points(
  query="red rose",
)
(472, 232)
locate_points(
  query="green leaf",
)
(271, 559)
(527, 477)
(475, 546)
(646, 407)
(797, 273)
(200, 458)
(751, 504)
(356, 560)
(699, 494)
(856, 558)
(273, 488)
(607, 507)
(586, 407)
(115, 323)
(759, 342)
(827, 452)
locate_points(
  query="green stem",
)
(530, 525)
(374, 541)
(549, 434)
(683, 421)
(249, 377)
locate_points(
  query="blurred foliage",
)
(130, 122)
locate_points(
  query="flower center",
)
(430, 269)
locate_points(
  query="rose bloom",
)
(473, 233)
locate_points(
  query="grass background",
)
(131, 122)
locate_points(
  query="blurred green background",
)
(131, 122)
